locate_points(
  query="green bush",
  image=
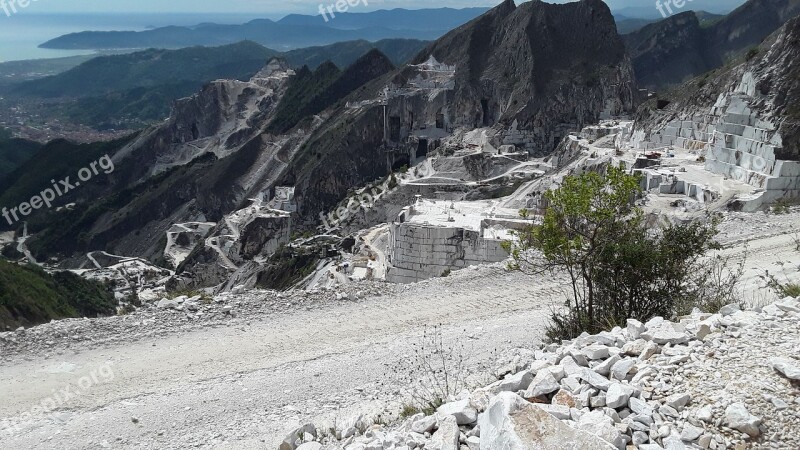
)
(618, 268)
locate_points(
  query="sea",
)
(23, 32)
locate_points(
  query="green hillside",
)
(106, 74)
(30, 296)
(311, 93)
(55, 161)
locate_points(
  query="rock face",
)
(678, 48)
(229, 250)
(514, 424)
(211, 159)
(440, 248)
(528, 66)
(219, 119)
(198, 166)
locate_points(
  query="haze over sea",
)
(22, 33)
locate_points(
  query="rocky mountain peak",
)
(672, 51)
(273, 65)
(510, 61)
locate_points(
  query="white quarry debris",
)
(669, 389)
(160, 315)
(182, 239)
(129, 276)
(787, 367)
(512, 423)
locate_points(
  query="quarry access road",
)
(246, 383)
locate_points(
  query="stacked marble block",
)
(691, 134)
(421, 251)
(745, 148)
(668, 182)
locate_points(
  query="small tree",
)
(617, 267)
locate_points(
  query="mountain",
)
(674, 50)
(399, 51)
(707, 19)
(232, 161)
(311, 93)
(132, 90)
(148, 68)
(651, 12)
(512, 61)
(435, 19)
(297, 30)
(625, 25)
(153, 67)
(52, 161)
(263, 31)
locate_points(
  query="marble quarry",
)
(737, 144)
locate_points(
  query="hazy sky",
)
(276, 7)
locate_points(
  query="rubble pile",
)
(707, 381)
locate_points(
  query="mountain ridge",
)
(671, 51)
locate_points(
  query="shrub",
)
(781, 207)
(783, 289)
(434, 373)
(618, 268)
(392, 182)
